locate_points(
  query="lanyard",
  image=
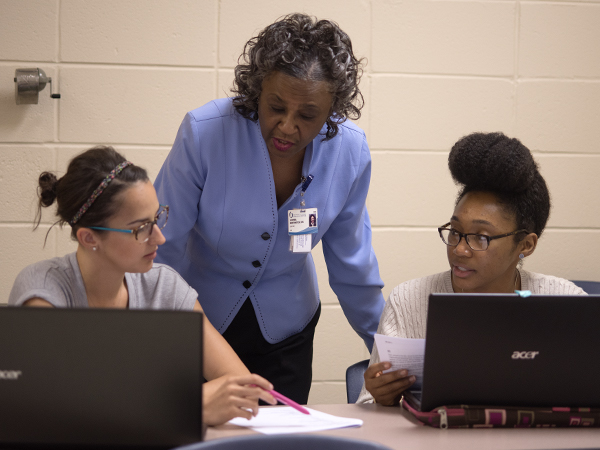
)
(305, 184)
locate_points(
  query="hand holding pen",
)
(228, 396)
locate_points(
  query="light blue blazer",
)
(229, 240)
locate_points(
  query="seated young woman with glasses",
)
(114, 215)
(500, 213)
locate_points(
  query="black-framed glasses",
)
(477, 242)
(144, 231)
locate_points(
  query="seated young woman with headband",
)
(500, 213)
(116, 219)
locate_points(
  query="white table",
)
(394, 427)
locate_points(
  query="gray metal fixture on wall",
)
(28, 84)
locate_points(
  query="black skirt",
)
(286, 364)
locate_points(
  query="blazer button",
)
(247, 284)
(266, 236)
(256, 263)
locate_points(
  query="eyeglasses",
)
(144, 231)
(477, 242)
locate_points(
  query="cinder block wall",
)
(128, 70)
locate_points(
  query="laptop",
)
(101, 378)
(507, 350)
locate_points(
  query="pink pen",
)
(286, 401)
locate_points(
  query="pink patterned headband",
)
(111, 176)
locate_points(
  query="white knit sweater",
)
(405, 312)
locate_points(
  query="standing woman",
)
(245, 172)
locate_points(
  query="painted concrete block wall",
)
(128, 70)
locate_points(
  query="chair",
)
(285, 441)
(355, 380)
(591, 287)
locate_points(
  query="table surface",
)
(394, 427)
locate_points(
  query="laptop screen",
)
(100, 377)
(505, 350)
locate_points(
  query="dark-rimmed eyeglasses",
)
(477, 242)
(144, 231)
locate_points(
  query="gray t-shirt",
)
(59, 281)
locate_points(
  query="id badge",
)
(302, 224)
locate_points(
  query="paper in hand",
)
(403, 353)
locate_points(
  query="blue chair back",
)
(286, 442)
(355, 379)
(591, 287)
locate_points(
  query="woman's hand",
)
(387, 388)
(228, 396)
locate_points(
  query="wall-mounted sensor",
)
(28, 84)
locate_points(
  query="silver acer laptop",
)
(506, 350)
(100, 378)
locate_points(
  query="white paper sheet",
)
(285, 419)
(403, 354)
(302, 243)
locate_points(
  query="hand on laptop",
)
(227, 397)
(387, 388)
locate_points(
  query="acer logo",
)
(10, 374)
(524, 355)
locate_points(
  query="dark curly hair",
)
(85, 172)
(302, 47)
(493, 162)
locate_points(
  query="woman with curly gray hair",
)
(243, 178)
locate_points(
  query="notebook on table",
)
(502, 349)
(100, 378)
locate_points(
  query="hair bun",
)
(47, 188)
(492, 162)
